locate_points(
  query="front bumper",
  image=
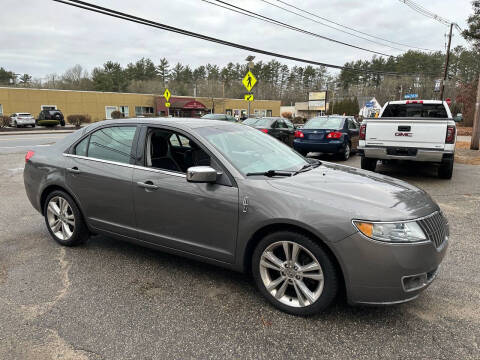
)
(327, 147)
(386, 273)
(413, 154)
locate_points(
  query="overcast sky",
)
(41, 37)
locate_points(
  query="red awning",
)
(188, 104)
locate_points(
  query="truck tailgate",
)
(398, 132)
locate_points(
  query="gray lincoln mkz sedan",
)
(233, 196)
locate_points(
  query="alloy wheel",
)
(291, 274)
(346, 153)
(61, 219)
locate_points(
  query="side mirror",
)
(201, 174)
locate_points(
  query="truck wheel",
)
(368, 163)
(445, 171)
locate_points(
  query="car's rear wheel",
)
(368, 163)
(346, 152)
(64, 220)
(445, 170)
(294, 273)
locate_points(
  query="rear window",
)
(250, 121)
(214, 117)
(416, 110)
(324, 123)
(24, 114)
(263, 122)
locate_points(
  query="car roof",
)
(182, 123)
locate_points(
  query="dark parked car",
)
(54, 115)
(229, 195)
(328, 134)
(222, 117)
(280, 128)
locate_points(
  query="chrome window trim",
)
(126, 165)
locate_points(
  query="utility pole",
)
(447, 59)
(474, 144)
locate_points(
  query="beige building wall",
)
(70, 102)
(94, 103)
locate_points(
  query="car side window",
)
(165, 155)
(112, 143)
(81, 147)
(351, 124)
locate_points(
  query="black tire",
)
(33, 125)
(80, 232)
(445, 170)
(330, 275)
(15, 124)
(346, 152)
(368, 163)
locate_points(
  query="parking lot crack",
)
(36, 310)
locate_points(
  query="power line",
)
(425, 12)
(331, 27)
(246, 12)
(127, 17)
(345, 26)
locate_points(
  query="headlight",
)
(391, 232)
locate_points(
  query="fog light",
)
(415, 282)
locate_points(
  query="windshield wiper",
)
(271, 173)
(307, 167)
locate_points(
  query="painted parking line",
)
(23, 146)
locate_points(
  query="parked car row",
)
(45, 118)
(324, 134)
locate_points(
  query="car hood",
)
(358, 193)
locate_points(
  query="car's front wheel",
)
(64, 220)
(294, 273)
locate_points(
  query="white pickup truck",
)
(414, 130)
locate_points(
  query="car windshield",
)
(264, 122)
(324, 123)
(250, 150)
(250, 121)
(214, 116)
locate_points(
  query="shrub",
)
(78, 120)
(117, 115)
(287, 115)
(298, 120)
(48, 123)
(4, 121)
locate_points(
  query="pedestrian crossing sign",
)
(167, 94)
(249, 81)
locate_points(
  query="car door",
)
(99, 172)
(353, 132)
(196, 218)
(283, 132)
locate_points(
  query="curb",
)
(36, 131)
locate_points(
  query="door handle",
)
(147, 185)
(73, 170)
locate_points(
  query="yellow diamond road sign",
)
(167, 94)
(248, 97)
(249, 81)
(167, 104)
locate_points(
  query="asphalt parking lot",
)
(113, 300)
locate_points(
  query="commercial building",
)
(100, 105)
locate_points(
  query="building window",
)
(125, 111)
(260, 112)
(269, 112)
(144, 111)
(1, 109)
(229, 112)
(109, 110)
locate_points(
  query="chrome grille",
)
(435, 228)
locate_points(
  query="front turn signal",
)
(365, 228)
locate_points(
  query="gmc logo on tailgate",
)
(408, 134)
